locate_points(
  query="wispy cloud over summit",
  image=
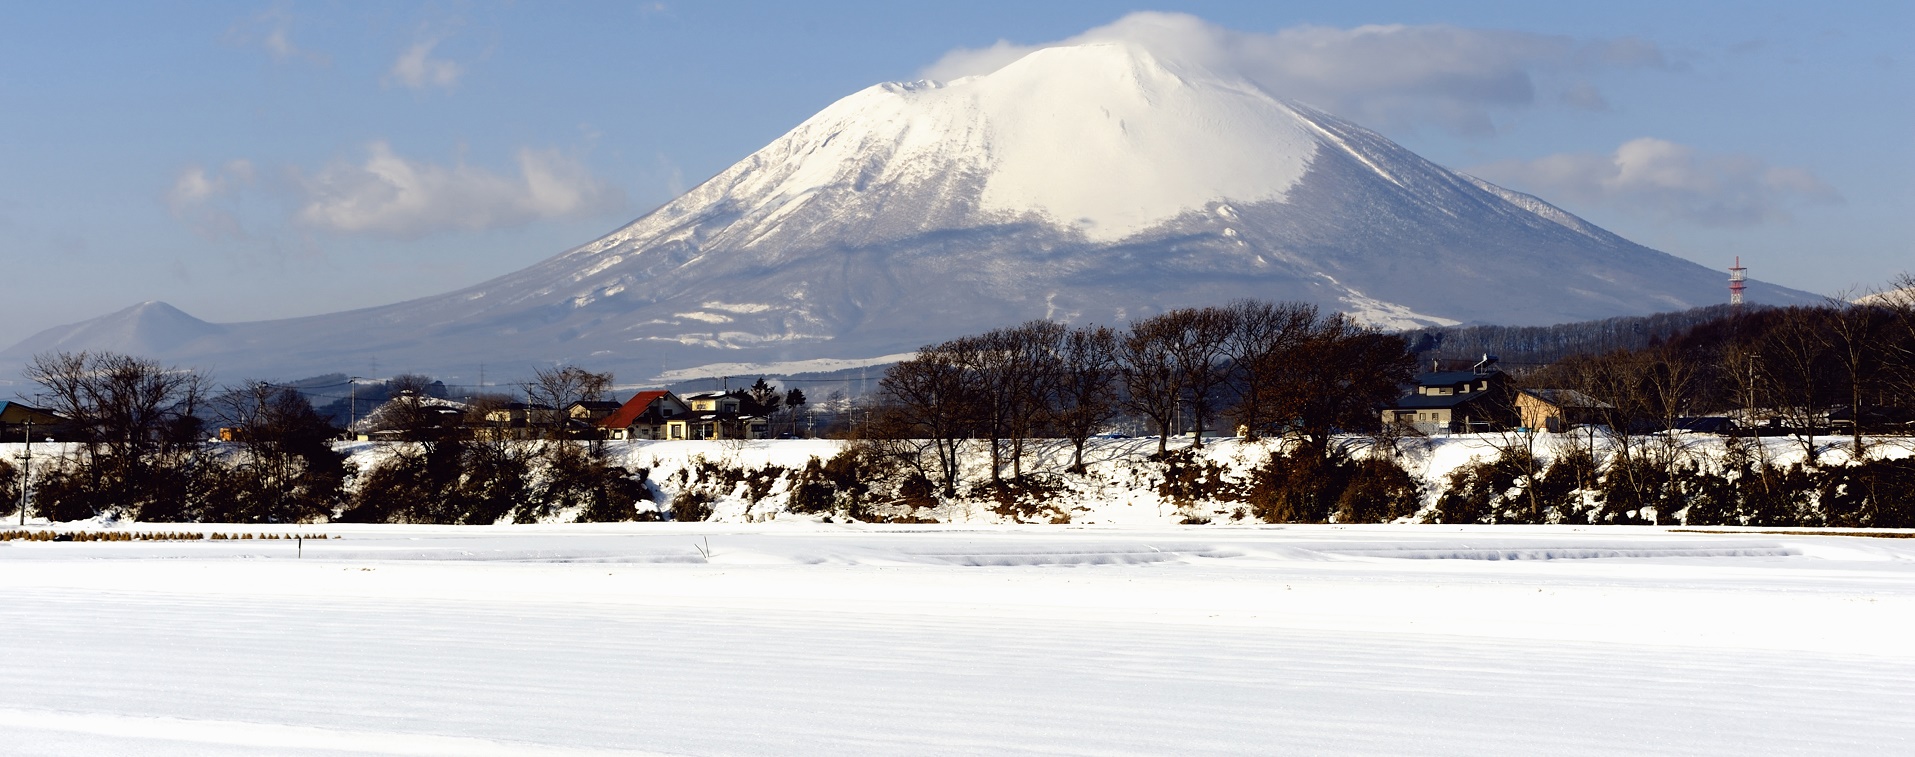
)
(1380, 75)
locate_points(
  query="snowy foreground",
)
(806, 638)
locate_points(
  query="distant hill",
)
(1088, 184)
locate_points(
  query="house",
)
(1875, 418)
(1558, 409)
(647, 415)
(720, 415)
(511, 420)
(1720, 425)
(592, 411)
(17, 420)
(1477, 399)
(411, 417)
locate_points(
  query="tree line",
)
(137, 431)
(1799, 373)
(1267, 369)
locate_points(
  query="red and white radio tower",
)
(1737, 276)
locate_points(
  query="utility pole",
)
(352, 406)
(26, 470)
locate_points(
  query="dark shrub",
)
(1191, 480)
(1875, 494)
(1379, 491)
(692, 505)
(1297, 488)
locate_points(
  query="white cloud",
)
(1669, 181)
(196, 198)
(272, 30)
(1380, 76)
(390, 195)
(417, 69)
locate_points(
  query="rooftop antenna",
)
(1737, 276)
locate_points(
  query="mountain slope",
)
(149, 328)
(1091, 184)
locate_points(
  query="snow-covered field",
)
(809, 638)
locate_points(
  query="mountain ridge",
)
(1094, 183)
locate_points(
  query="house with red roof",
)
(645, 416)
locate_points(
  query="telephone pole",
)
(26, 470)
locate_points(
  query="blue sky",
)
(238, 159)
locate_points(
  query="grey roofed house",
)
(1476, 399)
(719, 415)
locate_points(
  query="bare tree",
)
(1029, 383)
(1264, 337)
(1197, 354)
(935, 396)
(1858, 334)
(1153, 387)
(137, 422)
(1796, 363)
(1898, 349)
(1015, 369)
(1742, 368)
(1672, 382)
(552, 390)
(286, 466)
(1337, 378)
(1899, 298)
(1086, 388)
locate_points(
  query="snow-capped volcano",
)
(1092, 183)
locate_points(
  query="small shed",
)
(1558, 409)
